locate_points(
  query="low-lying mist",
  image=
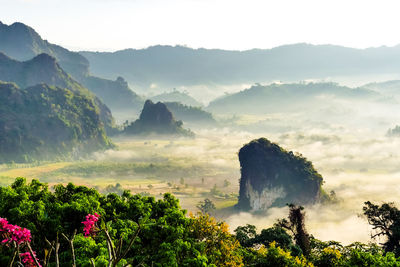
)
(358, 164)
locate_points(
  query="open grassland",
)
(191, 169)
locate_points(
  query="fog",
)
(358, 163)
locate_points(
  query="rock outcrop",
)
(271, 176)
(156, 119)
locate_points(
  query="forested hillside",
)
(45, 123)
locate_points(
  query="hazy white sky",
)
(228, 24)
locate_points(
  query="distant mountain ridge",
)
(176, 96)
(23, 43)
(176, 66)
(193, 115)
(289, 97)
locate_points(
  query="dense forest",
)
(76, 225)
(46, 122)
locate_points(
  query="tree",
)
(246, 235)
(296, 225)
(385, 221)
(221, 247)
(273, 256)
(226, 183)
(206, 206)
(165, 239)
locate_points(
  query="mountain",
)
(272, 176)
(176, 96)
(156, 119)
(44, 69)
(390, 88)
(46, 122)
(289, 97)
(192, 115)
(175, 66)
(22, 43)
(116, 94)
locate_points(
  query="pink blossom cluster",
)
(27, 259)
(89, 228)
(12, 233)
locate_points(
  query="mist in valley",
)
(345, 138)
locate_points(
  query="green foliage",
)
(273, 256)
(167, 236)
(246, 235)
(296, 225)
(45, 122)
(206, 206)
(385, 220)
(332, 253)
(44, 68)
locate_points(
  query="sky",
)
(109, 25)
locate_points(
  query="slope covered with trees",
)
(44, 123)
(22, 43)
(44, 69)
(260, 99)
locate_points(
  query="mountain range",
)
(174, 66)
(261, 99)
(22, 43)
(43, 69)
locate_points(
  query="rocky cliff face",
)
(271, 176)
(156, 119)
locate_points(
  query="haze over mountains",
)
(44, 69)
(22, 43)
(173, 119)
(205, 73)
(182, 66)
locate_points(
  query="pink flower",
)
(90, 228)
(12, 232)
(27, 259)
(3, 224)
